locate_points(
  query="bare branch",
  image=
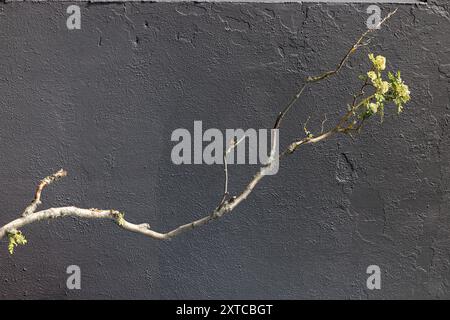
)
(37, 196)
(227, 203)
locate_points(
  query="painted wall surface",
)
(103, 101)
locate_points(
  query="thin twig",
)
(37, 196)
(233, 144)
(323, 123)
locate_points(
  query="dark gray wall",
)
(103, 101)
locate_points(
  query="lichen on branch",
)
(15, 238)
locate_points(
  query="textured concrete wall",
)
(103, 101)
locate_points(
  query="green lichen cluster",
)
(392, 89)
(15, 238)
